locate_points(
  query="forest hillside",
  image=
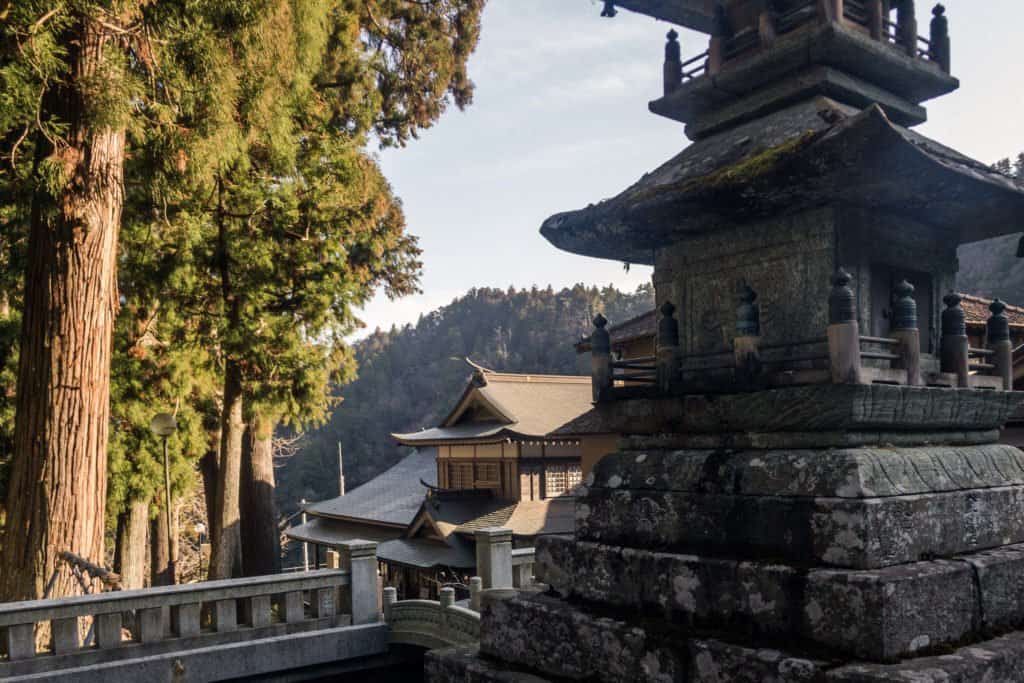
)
(410, 376)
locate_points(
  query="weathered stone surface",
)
(749, 598)
(554, 638)
(891, 613)
(715, 661)
(1000, 660)
(792, 440)
(463, 664)
(874, 614)
(999, 574)
(841, 473)
(816, 408)
(862, 533)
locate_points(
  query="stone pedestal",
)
(873, 533)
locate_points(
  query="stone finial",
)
(939, 38)
(748, 314)
(998, 323)
(904, 308)
(668, 326)
(609, 10)
(954, 321)
(673, 69)
(600, 340)
(842, 302)
(673, 50)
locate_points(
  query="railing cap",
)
(358, 548)
(492, 534)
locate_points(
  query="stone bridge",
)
(283, 627)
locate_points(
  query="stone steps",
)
(878, 615)
(574, 645)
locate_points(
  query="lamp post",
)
(163, 425)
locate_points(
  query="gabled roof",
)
(455, 513)
(496, 406)
(391, 498)
(813, 153)
(425, 554)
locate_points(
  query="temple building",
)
(491, 462)
(809, 483)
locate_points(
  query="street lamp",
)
(163, 425)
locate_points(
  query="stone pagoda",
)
(810, 485)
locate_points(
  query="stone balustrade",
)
(430, 623)
(175, 621)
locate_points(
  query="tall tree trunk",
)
(261, 543)
(58, 479)
(160, 567)
(226, 553)
(208, 467)
(132, 537)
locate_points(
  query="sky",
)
(559, 121)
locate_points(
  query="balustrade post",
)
(225, 615)
(748, 336)
(360, 559)
(721, 31)
(600, 359)
(446, 598)
(904, 327)
(667, 361)
(939, 38)
(107, 628)
(906, 26)
(999, 342)
(21, 641)
(185, 619)
(494, 557)
(876, 18)
(65, 635)
(151, 624)
(256, 611)
(389, 597)
(476, 586)
(955, 357)
(843, 331)
(672, 71)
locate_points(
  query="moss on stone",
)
(742, 172)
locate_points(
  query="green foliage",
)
(409, 377)
(255, 219)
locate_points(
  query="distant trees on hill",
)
(409, 376)
(992, 268)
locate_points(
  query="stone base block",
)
(998, 660)
(463, 664)
(549, 636)
(877, 615)
(860, 533)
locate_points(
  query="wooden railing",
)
(727, 44)
(843, 356)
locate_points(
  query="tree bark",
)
(208, 468)
(261, 543)
(226, 553)
(58, 481)
(160, 568)
(132, 537)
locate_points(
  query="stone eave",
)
(694, 14)
(862, 160)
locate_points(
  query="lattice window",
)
(574, 475)
(556, 480)
(460, 475)
(488, 475)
